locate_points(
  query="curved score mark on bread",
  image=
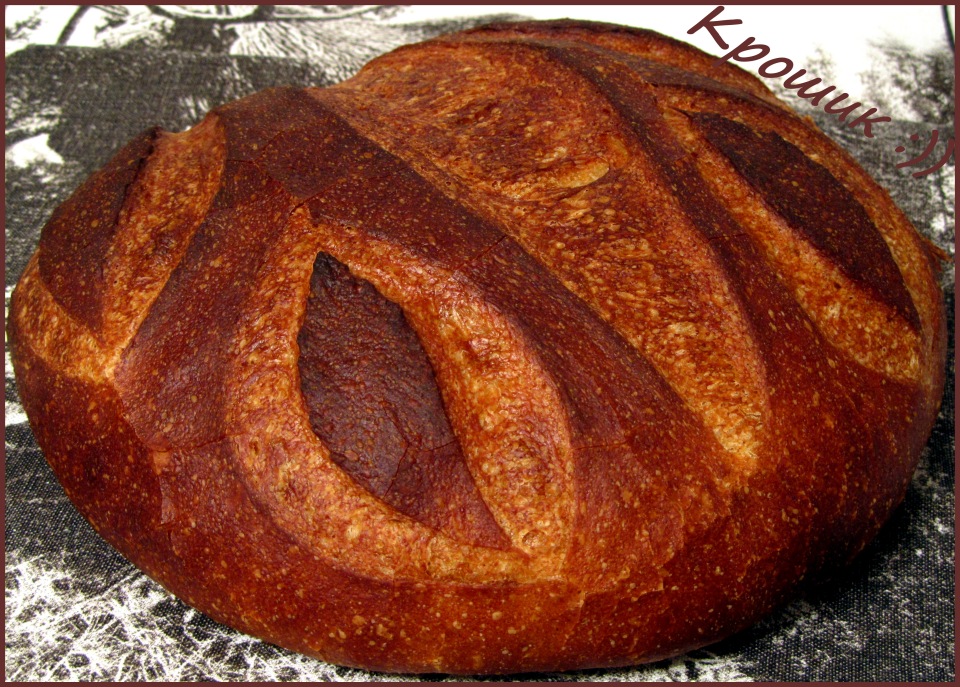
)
(883, 329)
(834, 223)
(129, 227)
(373, 401)
(166, 205)
(502, 405)
(74, 242)
(290, 472)
(856, 322)
(119, 238)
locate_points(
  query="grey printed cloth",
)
(76, 610)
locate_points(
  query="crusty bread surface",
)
(539, 346)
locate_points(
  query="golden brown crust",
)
(517, 351)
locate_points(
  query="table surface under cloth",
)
(76, 610)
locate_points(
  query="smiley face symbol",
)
(934, 138)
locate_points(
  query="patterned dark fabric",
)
(76, 610)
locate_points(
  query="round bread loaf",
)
(539, 346)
